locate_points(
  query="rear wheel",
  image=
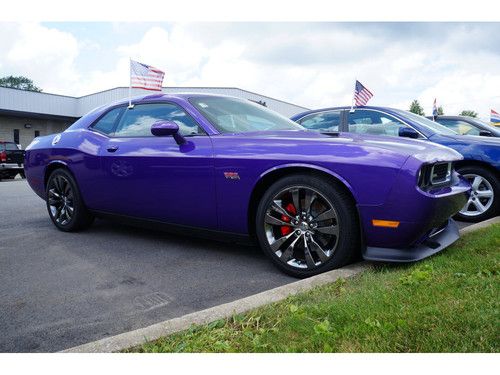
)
(307, 225)
(484, 201)
(64, 203)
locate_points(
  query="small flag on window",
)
(494, 116)
(145, 77)
(361, 94)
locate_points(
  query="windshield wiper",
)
(332, 134)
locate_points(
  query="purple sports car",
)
(235, 170)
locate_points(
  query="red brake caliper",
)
(290, 208)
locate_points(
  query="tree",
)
(19, 82)
(416, 108)
(440, 111)
(468, 112)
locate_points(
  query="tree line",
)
(416, 108)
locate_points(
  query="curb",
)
(137, 337)
(155, 331)
(481, 225)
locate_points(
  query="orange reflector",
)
(385, 223)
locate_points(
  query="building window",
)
(37, 133)
(16, 136)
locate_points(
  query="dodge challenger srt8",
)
(232, 169)
(480, 165)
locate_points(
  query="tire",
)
(64, 203)
(331, 222)
(481, 189)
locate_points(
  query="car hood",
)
(424, 151)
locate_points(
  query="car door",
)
(154, 177)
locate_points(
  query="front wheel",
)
(484, 201)
(307, 225)
(64, 203)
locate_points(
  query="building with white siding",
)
(27, 114)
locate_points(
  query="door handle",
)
(112, 148)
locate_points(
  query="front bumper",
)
(418, 212)
(434, 243)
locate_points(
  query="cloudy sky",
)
(310, 64)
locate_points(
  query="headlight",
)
(437, 174)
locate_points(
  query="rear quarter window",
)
(106, 123)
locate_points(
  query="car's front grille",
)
(440, 173)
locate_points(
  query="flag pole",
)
(129, 83)
(353, 95)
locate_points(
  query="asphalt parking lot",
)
(59, 290)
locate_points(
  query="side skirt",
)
(184, 230)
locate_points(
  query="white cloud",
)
(46, 55)
(312, 65)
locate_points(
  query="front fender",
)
(312, 167)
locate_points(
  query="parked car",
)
(481, 163)
(465, 125)
(196, 163)
(11, 160)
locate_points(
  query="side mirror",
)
(485, 133)
(167, 128)
(408, 133)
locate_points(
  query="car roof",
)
(450, 117)
(165, 96)
(379, 108)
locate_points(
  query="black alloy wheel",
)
(64, 203)
(307, 225)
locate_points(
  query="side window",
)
(11, 147)
(106, 123)
(460, 127)
(324, 121)
(374, 122)
(136, 122)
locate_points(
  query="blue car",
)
(481, 164)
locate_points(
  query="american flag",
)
(361, 94)
(145, 77)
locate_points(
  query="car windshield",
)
(232, 115)
(429, 124)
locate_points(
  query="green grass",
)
(448, 303)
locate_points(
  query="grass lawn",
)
(448, 303)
